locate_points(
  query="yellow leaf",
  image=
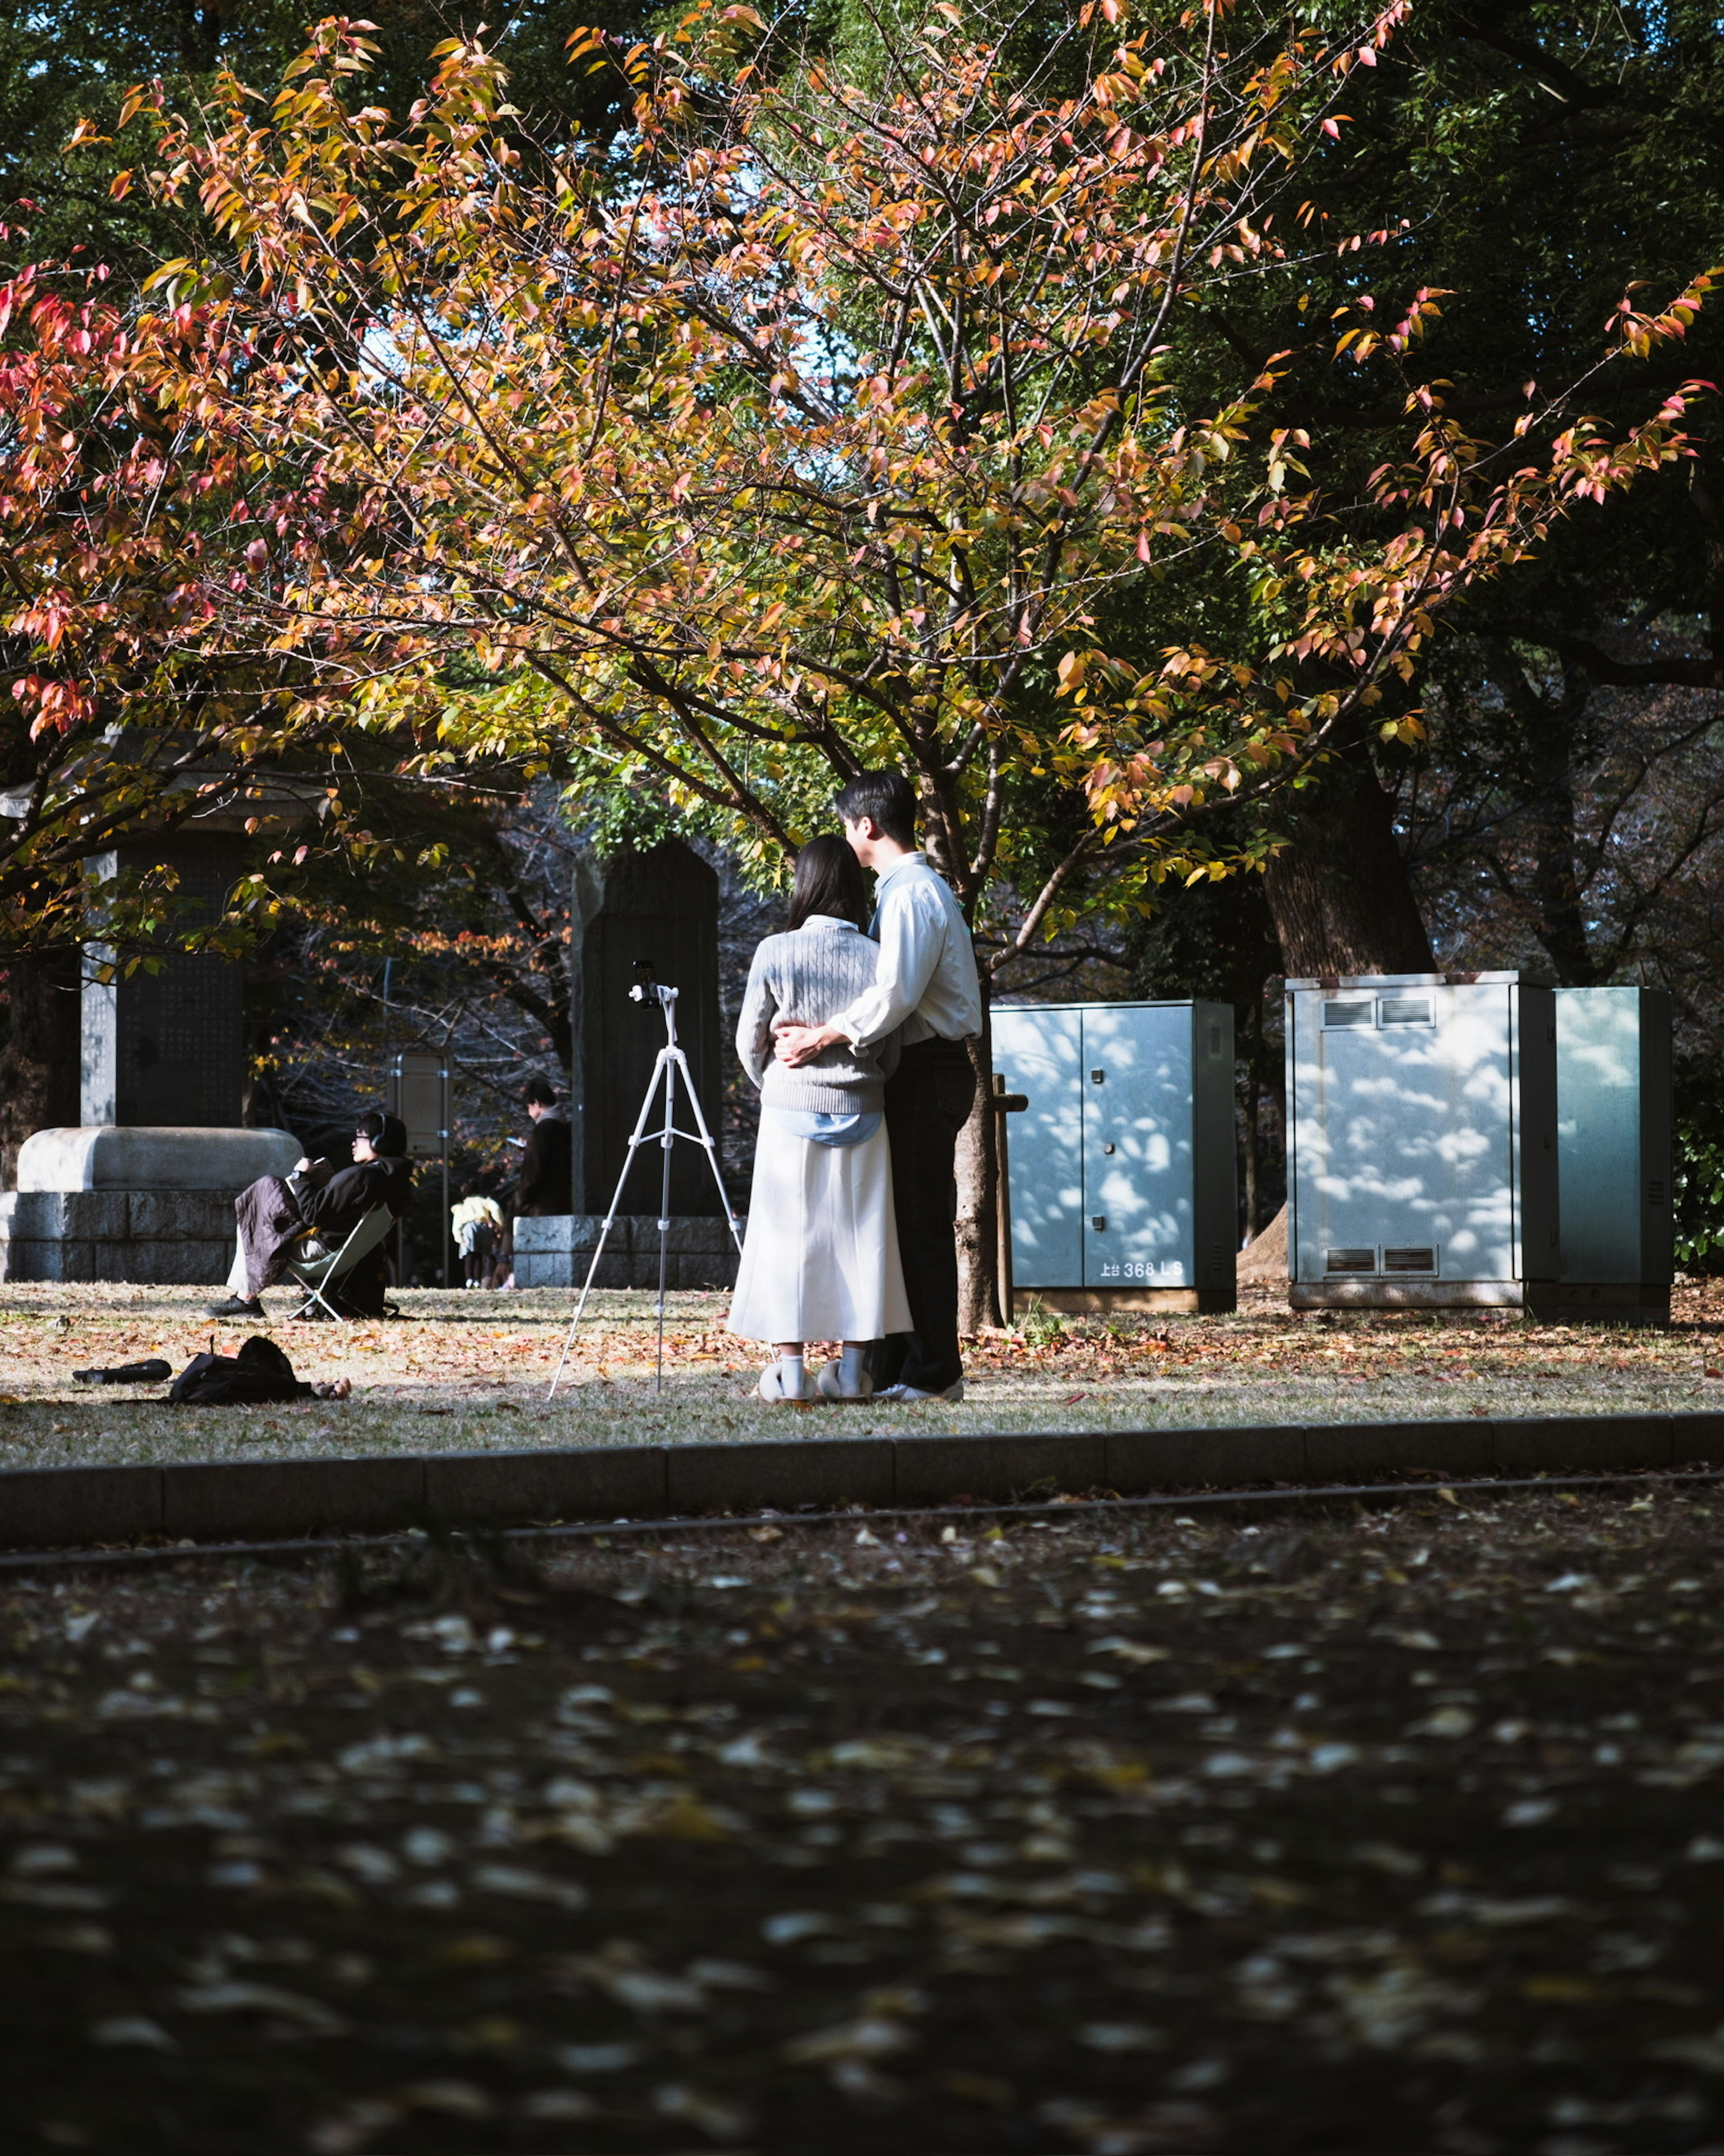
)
(687, 1819)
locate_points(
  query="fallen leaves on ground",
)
(1396, 1831)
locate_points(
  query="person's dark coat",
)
(547, 1170)
(337, 1209)
(273, 1214)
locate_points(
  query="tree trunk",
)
(1557, 913)
(39, 1074)
(978, 1197)
(1263, 1262)
(976, 1165)
(1342, 902)
(1339, 891)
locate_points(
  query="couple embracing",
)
(854, 1029)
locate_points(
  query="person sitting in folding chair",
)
(307, 1217)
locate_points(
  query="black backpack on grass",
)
(258, 1374)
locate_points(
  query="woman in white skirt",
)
(820, 1258)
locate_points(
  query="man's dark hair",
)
(388, 1133)
(886, 799)
(537, 1094)
(829, 879)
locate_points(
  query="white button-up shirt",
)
(926, 981)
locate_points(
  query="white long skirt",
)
(820, 1258)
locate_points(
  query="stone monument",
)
(143, 1188)
(659, 905)
(168, 1048)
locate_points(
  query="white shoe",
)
(830, 1384)
(907, 1393)
(772, 1385)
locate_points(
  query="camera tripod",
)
(668, 1061)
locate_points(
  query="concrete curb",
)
(243, 1501)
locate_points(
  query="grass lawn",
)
(465, 1372)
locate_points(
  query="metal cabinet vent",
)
(1121, 1170)
(1366, 1263)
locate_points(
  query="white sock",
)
(852, 1362)
(790, 1369)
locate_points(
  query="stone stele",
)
(662, 907)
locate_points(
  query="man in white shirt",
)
(926, 990)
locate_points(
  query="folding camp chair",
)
(314, 1274)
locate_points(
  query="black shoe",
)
(236, 1306)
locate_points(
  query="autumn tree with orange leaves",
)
(127, 713)
(138, 702)
(846, 431)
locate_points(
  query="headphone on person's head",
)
(387, 1134)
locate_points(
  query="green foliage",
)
(1215, 940)
(1699, 1148)
(1042, 1327)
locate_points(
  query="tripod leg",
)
(659, 1068)
(707, 1141)
(674, 1057)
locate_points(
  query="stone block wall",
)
(555, 1251)
(162, 1238)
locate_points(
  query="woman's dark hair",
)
(535, 1093)
(388, 1133)
(829, 879)
(886, 799)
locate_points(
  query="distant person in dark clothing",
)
(548, 1167)
(274, 1213)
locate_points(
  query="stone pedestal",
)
(556, 1251)
(152, 1205)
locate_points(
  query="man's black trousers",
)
(928, 1100)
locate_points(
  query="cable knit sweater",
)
(805, 977)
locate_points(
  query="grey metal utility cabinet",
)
(1122, 1167)
(1422, 1140)
(1613, 1158)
